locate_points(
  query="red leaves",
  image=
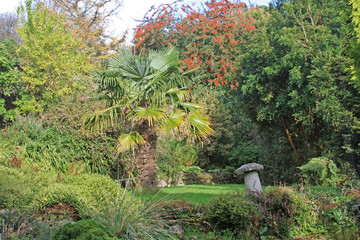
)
(207, 38)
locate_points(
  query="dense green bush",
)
(18, 189)
(35, 190)
(83, 230)
(278, 207)
(51, 148)
(234, 212)
(320, 171)
(284, 213)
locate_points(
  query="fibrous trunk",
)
(146, 157)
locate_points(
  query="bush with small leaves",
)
(83, 230)
(233, 212)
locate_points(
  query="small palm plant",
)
(147, 94)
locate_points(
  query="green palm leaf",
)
(178, 94)
(101, 119)
(151, 114)
(189, 106)
(129, 141)
(199, 126)
(173, 122)
(166, 60)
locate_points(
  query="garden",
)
(104, 140)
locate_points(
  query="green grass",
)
(192, 193)
(204, 193)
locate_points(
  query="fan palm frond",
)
(100, 119)
(173, 122)
(165, 60)
(199, 126)
(178, 94)
(151, 114)
(189, 106)
(129, 141)
(130, 66)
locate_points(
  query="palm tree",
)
(147, 94)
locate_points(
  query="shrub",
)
(83, 230)
(127, 217)
(174, 156)
(278, 208)
(233, 212)
(22, 225)
(86, 192)
(29, 142)
(18, 189)
(319, 171)
(35, 191)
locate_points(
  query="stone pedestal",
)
(252, 182)
(251, 177)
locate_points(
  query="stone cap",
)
(249, 168)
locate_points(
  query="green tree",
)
(355, 46)
(146, 94)
(10, 79)
(293, 78)
(216, 152)
(49, 56)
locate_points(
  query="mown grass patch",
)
(204, 193)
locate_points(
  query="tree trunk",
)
(146, 156)
(290, 139)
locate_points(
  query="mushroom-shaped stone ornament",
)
(251, 177)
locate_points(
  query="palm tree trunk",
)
(146, 156)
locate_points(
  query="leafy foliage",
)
(49, 56)
(10, 79)
(208, 37)
(174, 156)
(147, 94)
(216, 152)
(355, 46)
(232, 212)
(83, 229)
(31, 143)
(320, 171)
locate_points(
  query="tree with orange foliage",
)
(207, 38)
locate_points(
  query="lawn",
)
(204, 193)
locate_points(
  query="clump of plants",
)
(282, 213)
(82, 230)
(126, 216)
(37, 190)
(175, 156)
(320, 171)
(233, 212)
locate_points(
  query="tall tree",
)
(10, 79)
(293, 77)
(8, 23)
(355, 46)
(49, 56)
(146, 94)
(89, 19)
(207, 37)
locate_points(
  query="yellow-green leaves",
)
(150, 114)
(49, 56)
(129, 141)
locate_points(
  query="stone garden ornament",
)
(251, 177)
